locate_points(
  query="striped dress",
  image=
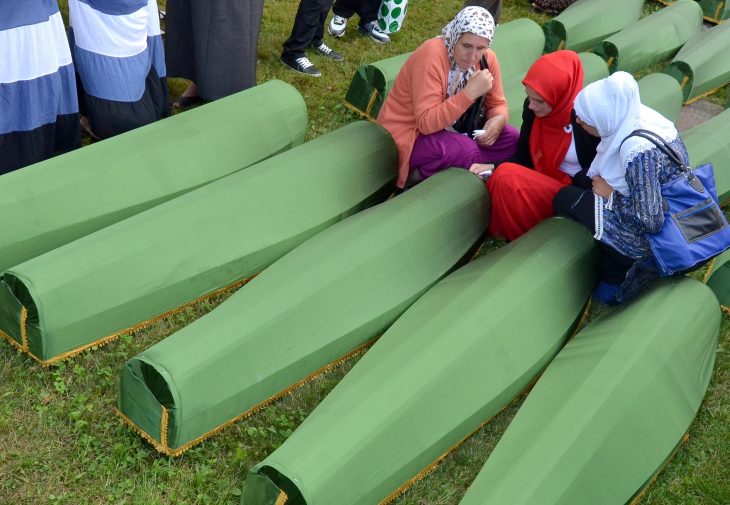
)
(38, 104)
(120, 62)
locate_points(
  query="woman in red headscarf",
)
(553, 150)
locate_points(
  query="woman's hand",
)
(478, 168)
(478, 84)
(601, 187)
(492, 130)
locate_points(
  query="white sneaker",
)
(337, 26)
(372, 30)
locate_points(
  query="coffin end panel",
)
(267, 486)
(609, 52)
(556, 36)
(19, 321)
(684, 75)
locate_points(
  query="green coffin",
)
(452, 361)
(323, 300)
(719, 280)
(517, 44)
(663, 94)
(54, 202)
(715, 10)
(710, 141)
(652, 39)
(594, 68)
(126, 274)
(611, 408)
(586, 22)
(702, 66)
(371, 84)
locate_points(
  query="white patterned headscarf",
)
(613, 106)
(476, 20)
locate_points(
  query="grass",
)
(60, 442)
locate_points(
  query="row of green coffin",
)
(618, 42)
(153, 262)
(716, 11)
(603, 418)
(329, 296)
(719, 280)
(54, 202)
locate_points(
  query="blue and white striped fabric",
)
(115, 43)
(37, 82)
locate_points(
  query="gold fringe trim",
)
(282, 498)
(561, 45)
(139, 326)
(610, 61)
(24, 328)
(703, 95)
(371, 102)
(725, 309)
(653, 478)
(12, 341)
(165, 449)
(358, 111)
(684, 82)
(430, 468)
(717, 11)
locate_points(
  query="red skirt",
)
(521, 198)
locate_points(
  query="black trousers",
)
(308, 29)
(578, 204)
(366, 9)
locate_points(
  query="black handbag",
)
(475, 116)
(695, 229)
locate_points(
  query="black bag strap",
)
(662, 145)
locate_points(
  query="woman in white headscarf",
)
(436, 86)
(627, 174)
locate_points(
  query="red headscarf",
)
(557, 77)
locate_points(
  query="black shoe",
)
(301, 65)
(326, 51)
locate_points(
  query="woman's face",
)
(537, 104)
(469, 49)
(590, 129)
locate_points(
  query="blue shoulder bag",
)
(695, 229)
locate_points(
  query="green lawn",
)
(61, 443)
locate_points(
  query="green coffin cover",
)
(710, 141)
(452, 361)
(371, 84)
(586, 22)
(594, 68)
(117, 278)
(720, 280)
(652, 39)
(611, 408)
(322, 301)
(54, 202)
(663, 94)
(715, 10)
(517, 44)
(702, 66)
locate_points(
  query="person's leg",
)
(521, 198)
(443, 149)
(345, 8)
(503, 148)
(308, 27)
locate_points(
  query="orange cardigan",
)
(417, 103)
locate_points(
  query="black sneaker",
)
(326, 51)
(372, 30)
(301, 65)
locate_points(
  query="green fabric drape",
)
(594, 68)
(200, 242)
(54, 202)
(517, 45)
(318, 303)
(589, 21)
(720, 279)
(652, 39)
(710, 141)
(452, 361)
(661, 93)
(715, 10)
(611, 407)
(702, 65)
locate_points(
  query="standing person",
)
(437, 85)
(120, 64)
(493, 6)
(553, 150)
(212, 44)
(627, 177)
(367, 10)
(38, 104)
(308, 32)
